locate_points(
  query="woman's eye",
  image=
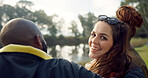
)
(93, 35)
(104, 38)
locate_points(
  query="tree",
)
(9, 12)
(24, 3)
(74, 28)
(45, 22)
(87, 22)
(41, 18)
(23, 13)
(82, 20)
(59, 23)
(53, 30)
(142, 7)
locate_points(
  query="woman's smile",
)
(100, 40)
(95, 49)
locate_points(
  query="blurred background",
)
(66, 24)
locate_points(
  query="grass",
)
(143, 52)
(138, 42)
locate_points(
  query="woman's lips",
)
(94, 49)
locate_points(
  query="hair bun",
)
(130, 16)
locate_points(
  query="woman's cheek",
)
(89, 42)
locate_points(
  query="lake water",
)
(77, 54)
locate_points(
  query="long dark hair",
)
(116, 60)
(130, 16)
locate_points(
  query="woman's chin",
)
(93, 56)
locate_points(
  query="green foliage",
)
(10, 12)
(61, 40)
(138, 42)
(52, 30)
(87, 22)
(51, 40)
(24, 3)
(74, 28)
(143, 52)
(41, 17)
(22, 13)
(44, 21)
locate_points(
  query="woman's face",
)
(101, 40)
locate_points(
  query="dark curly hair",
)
(130, 16)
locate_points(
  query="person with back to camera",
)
(23, 55)
(130, 16)
(108, 46)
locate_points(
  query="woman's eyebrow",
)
(104, 34)
(101, 33)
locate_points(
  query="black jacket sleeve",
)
(83, 72)
(73, 70)
(135, 73)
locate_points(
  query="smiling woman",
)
(100, 40)
(108, 46)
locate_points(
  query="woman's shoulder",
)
(135, 73)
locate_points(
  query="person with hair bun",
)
(108, 47)
(133, 19)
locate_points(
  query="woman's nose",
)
(95, 40)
